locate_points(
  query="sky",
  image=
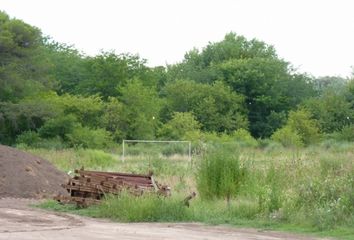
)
(316, 36)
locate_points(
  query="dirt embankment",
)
(23, 175)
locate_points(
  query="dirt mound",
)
(23, 175)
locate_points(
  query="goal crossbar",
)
(156, 141)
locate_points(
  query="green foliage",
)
(60, 126)
(179, 125)
(51, 143)
(244, 137)
(329, 202)
(23, 71)
(108, 71)
(29, 138)
(345, 134)
(300, 129)
(148, 208)
(113, 118)
(16, 118)
(70, 159)
(287, 137)
(141, 111)
(301, 121)
(331, 110)
(267, 86)
(89, 138)
(228, 85)
(251, 68)
(93, 159)
(88, 110)
(220, 175)
(69, 66)
(215, 106)
(173, 148)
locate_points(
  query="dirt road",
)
(20, 222)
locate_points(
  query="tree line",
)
(50, 93)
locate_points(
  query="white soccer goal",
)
(156, 141)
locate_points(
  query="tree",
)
(267, 86)
(215, 106)
(23, 71)
(141, 109)
(68, 67)
(109, 71)
(199, 66)
(113, 118)
(331, 110)
(252, 69)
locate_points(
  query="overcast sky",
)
(316, 36)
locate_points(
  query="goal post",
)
(156, 141)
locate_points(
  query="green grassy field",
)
(304, 190)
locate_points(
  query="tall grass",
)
(71, 159)
(146, 208)
(311, 187)
(220, 175)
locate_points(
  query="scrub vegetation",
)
(295, 189)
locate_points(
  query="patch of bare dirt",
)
(23, 175)
(19, 222)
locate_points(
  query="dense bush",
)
(60, 126)
(89, 138)
(287, 137)
(301, 121)
(175, 148)
(32, 139)
(29, 138)
(299, 130)
(244, 138)
(179, 125)
(345, 134)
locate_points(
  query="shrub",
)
(174, 148)
(245, 138)
(60, 126)
(346, 134)
(219, 175)
(301, 122)
(287, 137)
(179, 125)
(89, 138)
(51, 143)
(30, 138)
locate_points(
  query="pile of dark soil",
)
(23, 175)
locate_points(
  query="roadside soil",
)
(23, 175)
(19, 221)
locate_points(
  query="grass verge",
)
(152, 208)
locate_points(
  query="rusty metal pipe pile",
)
(90, 187)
